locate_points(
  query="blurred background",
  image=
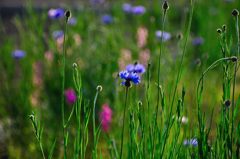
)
(103, 37)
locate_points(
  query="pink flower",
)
(70, 96)
(105, 117)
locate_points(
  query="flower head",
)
(135, 68)
(138, 10)
(58, 34)
(127, 8)
(165, 36)
(197, 41)
(105, 117)
(132, 74)
(107, 19)
(18, 54)
(129, 77)
(72, 21)
(70, 96)
(56, 13)
(190, 142)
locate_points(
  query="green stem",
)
(179, 74)
(94, 127)
(41, 147)
(124, 114)
(63, 87)
(233, 96)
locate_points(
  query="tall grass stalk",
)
(165, 8)
(67, 15)
(178, 76)
(124, 114)
(235, 70)
(202, 138)
(99, 89)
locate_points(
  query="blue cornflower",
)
(197, 41)
(129, 77)
(18, 54)
(127, 8)
(136, 68)
(57, 34)
(56, 13)
(165, 36)
(95, 2)
(107, 19)
(191, 142)
(72, 21)
(138, 10)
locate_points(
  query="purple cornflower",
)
(70, 96)
(72, 21)
(107, 19)
(106, 117)
(127, 8)
(165, 36)
(136, 68)
(58, 34)
(95, 2)
(138, 10)
(18, 54)
(197, 41)
(56, 13)
(190, 142)
(129, 77)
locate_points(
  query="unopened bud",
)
(224, 28)
(227, 103)
(219, 31)
(99, 88)
(235, 13)
(67, 14)
(165, 6)
(179, 36)
(234, 58)
(74, 65)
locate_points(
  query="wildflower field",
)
(120, 80)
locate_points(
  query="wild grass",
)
(167, 106)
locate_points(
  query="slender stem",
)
(158, 82)
(159, 65)
(233, 96)
(94, 127)
(63, 87)
(41, 147)
(238, 40)
(124, 113)
(179, 73)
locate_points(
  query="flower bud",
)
(67, 14)
(227, 103)
(234, 58)
(99, 88)
(219, 31)
(165, 6)
(74, 65)
(235, 13)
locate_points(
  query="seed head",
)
(235, 13)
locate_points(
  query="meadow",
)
(121, 79)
